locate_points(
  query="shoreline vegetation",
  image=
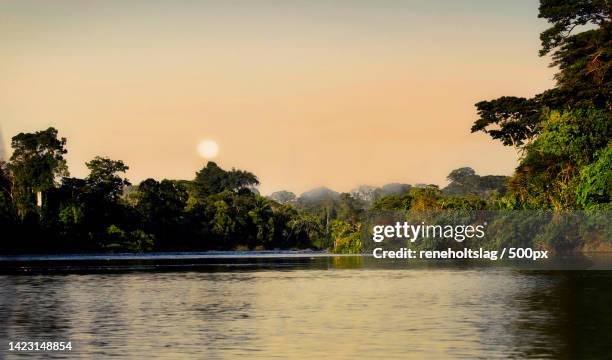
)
(563, 137)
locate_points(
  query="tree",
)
(103, 180)
(393, 202)
(427, 198)
(346, 236)
(549, 174)
(116, 239)
(161, 205)
(566, 15)
(262, 218)
(349, 208)
(464, 181)
(282, 196)
(584, 60)
(595, 188)
(36, 163)
(223, 222)
(461, 175)
(7, 210)
(212, 180)
(72, 206)
(161, 200)
(305, 230)
(509, 119)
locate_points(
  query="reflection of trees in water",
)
(347, 262)
(566, 315)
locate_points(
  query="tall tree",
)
(584, 58)
(103, 179)
(282, 196)
(36, 163)
(580, 44)
(161, 205)
(213, 180)
(549, 174)
(464, 181)
(6, 202)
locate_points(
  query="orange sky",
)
(302, 93)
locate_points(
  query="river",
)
(315, 307)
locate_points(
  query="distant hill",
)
(395, 189)
(318, 194)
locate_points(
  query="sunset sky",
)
(301, 93)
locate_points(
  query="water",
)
(317, 307)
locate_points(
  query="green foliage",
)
(427, 198)
(562, 134)
(469, 202)
(566, 15)
(431, 198)
(7, 210)
(71, 215)
(158, 201)
(393, 202)
(103, 180)
(560, 234)
(213, 180)
(36, 162)
(282, 196)
(595, 186)
(38, 158)
(464, 181)
(557, 231)
(566, 152)
(261, 216)
(515, 228)
(461, 175)
(161, 206)
(118, 240)
(584, 60)
(223, 224)
(585, 64)
(549, 174)
(349, 208)
(509, 119)
(304, 229)
(346, 236)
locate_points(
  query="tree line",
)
(43, 209)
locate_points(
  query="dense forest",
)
(43, 209)
(562, 136)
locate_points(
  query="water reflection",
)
(346, 310)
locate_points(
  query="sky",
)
(308, 93)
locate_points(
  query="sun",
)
(208, 149)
